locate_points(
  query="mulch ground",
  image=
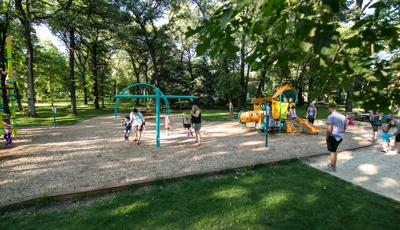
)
(94, 154)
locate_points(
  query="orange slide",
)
(309, 128)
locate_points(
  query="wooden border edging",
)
(91, 191)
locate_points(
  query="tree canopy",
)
(345, 51)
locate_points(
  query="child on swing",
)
(187, 124)
(167, 125)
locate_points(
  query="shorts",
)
(197, 126)
(333, 144)
(397, 139)
(375, 128)
(128, 128)
(187, 126)
(140, 127)
(311, 120)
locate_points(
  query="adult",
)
(138, 122)
(397, 134)
(196, 120)
(336, 126)
(311, 113)
(375, 119)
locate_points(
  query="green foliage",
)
(51, 73)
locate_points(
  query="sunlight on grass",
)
(235, 192)
(274, 199)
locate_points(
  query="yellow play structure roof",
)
(282, 89)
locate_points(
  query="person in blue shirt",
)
(138, 123)
(336, 126)
(385, 135)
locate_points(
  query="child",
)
(127, 127)
(385, 135)
(292, 110)
(351, 121)
(7, 132)
(187, 124)
(167, 125)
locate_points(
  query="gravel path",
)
(93, 154)
(369, 167)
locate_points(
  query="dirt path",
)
(93, 153)
(368, 167)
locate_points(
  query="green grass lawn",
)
(290, 195)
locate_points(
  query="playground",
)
(92, 154)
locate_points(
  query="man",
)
(336, 126)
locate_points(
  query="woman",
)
(138, 123)
(311, 113)
(375, 119)
(196, 120)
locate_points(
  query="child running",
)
(167, 125)
(126, 122)
(187, 124)
(385, 135)
(8, 132)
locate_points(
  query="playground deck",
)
(92, 154)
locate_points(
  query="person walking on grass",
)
(311, 113)
(138, 124)
(196, 120)
(336, 126)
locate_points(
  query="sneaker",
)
(330, 168)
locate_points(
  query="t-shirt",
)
(311, 112)
(136, 119)
(385, 136)
(338, 122)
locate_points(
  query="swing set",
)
(158, 95)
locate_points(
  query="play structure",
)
(277, 117)
(124, 94)
(9, 89)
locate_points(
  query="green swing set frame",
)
(158, 96)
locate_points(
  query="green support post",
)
(157, 117)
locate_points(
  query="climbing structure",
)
(279, 108)
(11, 95)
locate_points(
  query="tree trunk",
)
(190, 68)
(155, 65)
(261, 84)
(246, 85)
(242, 82)
(102, 90)
(72, 70)
(3, 63)
(94, 77)
(137, 74)
(29, 57)
(114, 90)
(310, 87)
(349, 98)
(18, 96)
(6, 108)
